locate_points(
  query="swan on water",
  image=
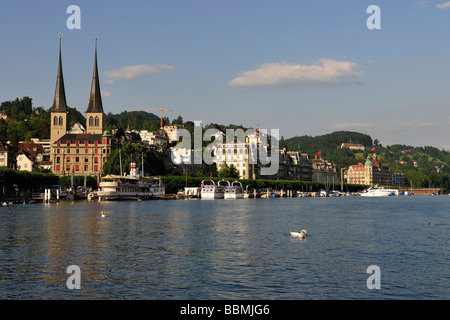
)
(103, 215)
(302, 234)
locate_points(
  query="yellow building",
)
(370, 173)
(78, 153)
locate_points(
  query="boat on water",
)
(234, 191)
(378, 192)
(130, 187)
(209, 190)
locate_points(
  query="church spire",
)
(95, 99)
(59, 102)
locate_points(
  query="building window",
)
(77, 168)
(68, 159)
(96, 168)
(96, 143)
(86, 159)
(91, 121)
(68, 168)
(96, 159)
(97, 121)
(77, 159)
(86, 151)
(58, 168)
(96, 151)
(58, 160)
(61, 121)
(77, 151)
(86, 143)
(55, 121)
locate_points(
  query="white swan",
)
(302, 234)
(103, 215)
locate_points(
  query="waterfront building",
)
(78, 152)
(323, 171)
(6, 155)
(292, 165)
(236, 154)
(30, 156)
(398, 180)
(372, 173)
(25, 161)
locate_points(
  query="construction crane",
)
(152, 109)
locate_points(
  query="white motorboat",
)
(132, 187)
(378, 192)
(209, 190)
(234, 191)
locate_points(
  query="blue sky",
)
(304, 67)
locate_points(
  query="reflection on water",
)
(226, 249)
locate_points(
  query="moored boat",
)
(378, 192)
(234, 191)
(209, 190)
(131, 187)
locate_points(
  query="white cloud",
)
(426, 124)
(135, 72)
(106, 94)
(275, 74)
(443, 5)
(421, 3)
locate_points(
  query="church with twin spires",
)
(78, 151)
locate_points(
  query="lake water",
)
(225, 249)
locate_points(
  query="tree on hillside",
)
(228, 171)
(178, 121)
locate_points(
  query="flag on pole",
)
(373, 149)
(319, 153)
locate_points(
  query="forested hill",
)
(309, 144)
(329, 146)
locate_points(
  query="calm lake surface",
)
(228, 249)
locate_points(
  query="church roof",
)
(59, 101)
(95, 100)
(80, 137)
